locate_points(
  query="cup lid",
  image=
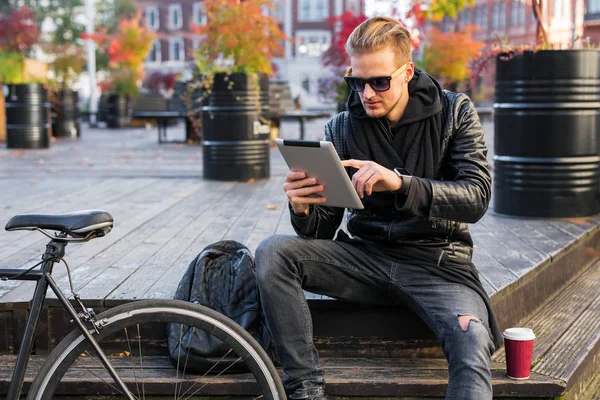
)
(519, 334)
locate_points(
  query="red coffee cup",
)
(518, 344)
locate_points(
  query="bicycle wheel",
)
(134, 339)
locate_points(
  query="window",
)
(593, 6)
(311, 10)
(176, 49)
(152, 21)
(175, 16)
(498, 16)
(517, 13)
(196, 45)
(312, 43)
(354, 6)
(464, 18)
(448, 24)
(279, 12)
(561, 8)
(199, 12)
(481, 18)
(154, 56)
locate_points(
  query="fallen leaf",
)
(272, 207)
(123, 354)
(177, 147)
(33, 181)
(250, 181)
(178, 195)
(41, 161)
(17, 153)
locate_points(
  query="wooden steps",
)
(566, 359)
(398, 378)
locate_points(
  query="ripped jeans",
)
(287, 265)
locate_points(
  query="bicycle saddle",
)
(77, 224)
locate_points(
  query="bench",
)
(282, 107)
(165, 112)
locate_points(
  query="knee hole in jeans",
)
(464, 321)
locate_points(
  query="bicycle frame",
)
(55, 251)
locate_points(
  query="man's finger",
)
(353, 163)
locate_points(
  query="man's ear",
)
(410, 71)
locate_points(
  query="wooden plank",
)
(511, 255)
(218, 223)
(18, 243)
(571, 350)
(149, 273)
(6, 332)
(559, 314)
(244, 225)
(154, 236)
(491, 269)
(422, 378)
(35, 242)
(122, 210)
(155, 202)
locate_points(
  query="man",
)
(418, 161)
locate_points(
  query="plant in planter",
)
(234, 62)
(126, 49)
(446, 55)
(27, 120)
(546, 119)
(66, 67)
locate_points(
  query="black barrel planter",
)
(27, 117)
(119, 111)
(547, 134)
(235, 138)
(65, 115)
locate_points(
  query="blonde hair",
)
(378, 33)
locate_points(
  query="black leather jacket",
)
(460, 194)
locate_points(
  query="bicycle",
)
(113, 345)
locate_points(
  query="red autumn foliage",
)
(19, 31)
(336, 55)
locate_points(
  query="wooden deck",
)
(165, 213)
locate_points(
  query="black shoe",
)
(317, 393)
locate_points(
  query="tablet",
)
(320, 160)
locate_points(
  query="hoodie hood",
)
(424, 100)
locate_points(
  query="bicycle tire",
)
(72, 348)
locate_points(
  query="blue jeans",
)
(287, 265)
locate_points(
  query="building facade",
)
(513, 22)
(304, 20)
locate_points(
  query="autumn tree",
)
(126, 50)
(447, 55)
(342, 25)
(241, 35)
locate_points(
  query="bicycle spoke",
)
(208, 372)
(214, 377)
(178, 347)
(187, 356)
(96, 375)
(141, 362)
(132, 364)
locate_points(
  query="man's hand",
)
(372, 177)
(300, 190)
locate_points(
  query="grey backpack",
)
(223, 278)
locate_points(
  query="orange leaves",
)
(448, 54)
(126, 49)
(242, 34)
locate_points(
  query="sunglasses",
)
(377, 83)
